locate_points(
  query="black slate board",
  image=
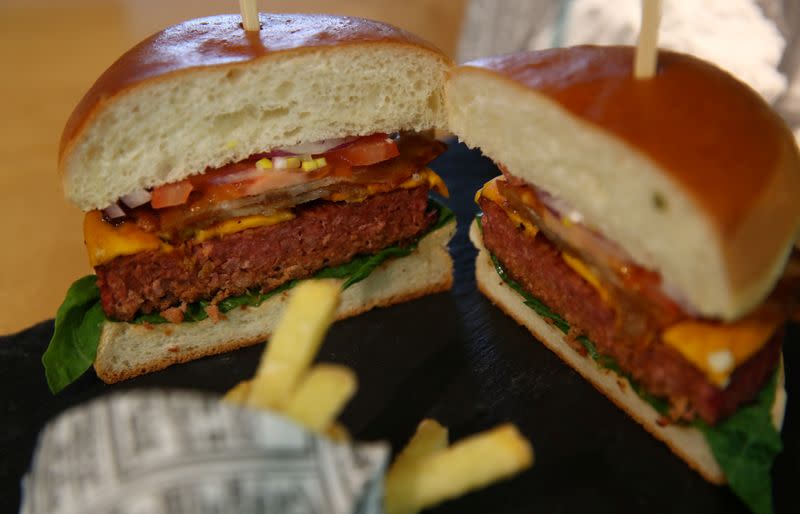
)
(456, 358)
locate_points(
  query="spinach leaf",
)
(79, 322)
(253, 298)
(446, 215)
(360, 267)
(197, 311)
(744, 445)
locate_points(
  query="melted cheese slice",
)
(718, 349)
(233, 225)
(422, 177)
(427, 175)
(492, 193)
(105, 241)
(583, 270)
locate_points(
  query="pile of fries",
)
(428, 470)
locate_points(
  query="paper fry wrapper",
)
(182, 452)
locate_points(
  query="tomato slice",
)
(171, 194)
(243, 179)
(366, 150)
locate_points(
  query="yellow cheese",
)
(430, 177)
(350, 197)
(491, 193)
(581, 269)
(105, 241)
(234, 225)
(423, 176)
(717, 349)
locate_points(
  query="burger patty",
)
(322, 234)
(537, 265)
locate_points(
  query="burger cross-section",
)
(643, 230)
(217, 167)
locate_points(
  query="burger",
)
(218, 167)
(643, 230)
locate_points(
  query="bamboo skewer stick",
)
(249, 9)
(647, 44)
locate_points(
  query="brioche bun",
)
(690, 172)
(205, 93)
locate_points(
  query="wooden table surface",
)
(52, 52)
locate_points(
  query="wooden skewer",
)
(647, 45)
(249, 9)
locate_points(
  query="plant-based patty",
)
(322, 234)
(538, 266)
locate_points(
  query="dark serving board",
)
(454, 357)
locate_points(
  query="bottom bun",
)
(687, 443)
(127, 350)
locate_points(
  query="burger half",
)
(641, 230)
(217, 167)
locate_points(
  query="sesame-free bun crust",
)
(206, 92)
(687, 443)
(690, 172)
(127, 350)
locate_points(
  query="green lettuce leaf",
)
(79, 321)
(73, 347)
(361, 266)
(745, 444)
(446, 215)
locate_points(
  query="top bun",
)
(690, 172)
(205, 93)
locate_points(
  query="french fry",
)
(429, 438)
(337, 432)
(309, 313)
(321, 396)
(470, 464)
(426, 471)
(238, 394)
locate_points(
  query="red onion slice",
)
(136, 198)
(320, 147)
(114, 211)
(239, 176)
(277, 153)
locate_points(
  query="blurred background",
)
(54, 50)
